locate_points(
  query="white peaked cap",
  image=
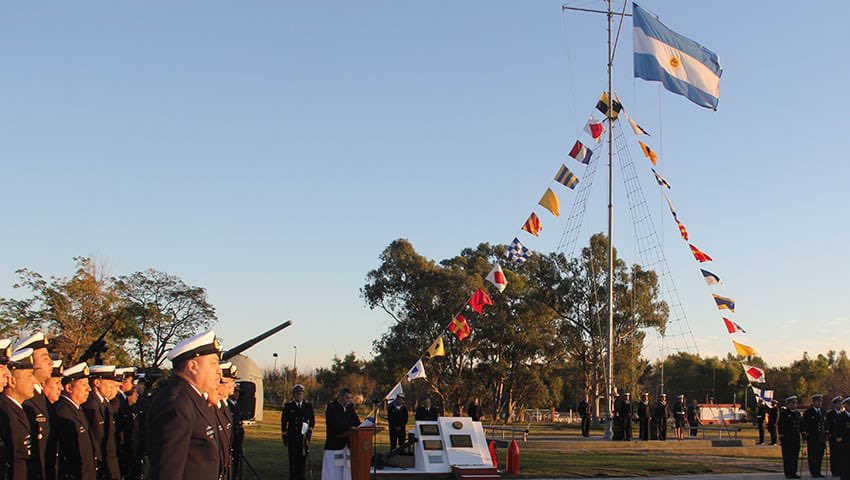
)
(5, 350)
(80, 370)
(125, 372)
(21, 359)
(201, 344)
(102, 371)
(35, 341)
(57, 369)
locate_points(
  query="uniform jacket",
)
(789, 426)
(126, 436)
(831, 423)
(225, 432)
(238, 429)
(661, 412)
(625, 411)
(423, 413)
(814, 425)
(21, 461)
(761, 412)
(644, 410)
(102, 425)
(182, 434)
(339, 419)
(38, 412)
(397, 417)
(693, 414)
(772, 415)
(293, 417)
(71, 438)
(679, 410)
(476, 412)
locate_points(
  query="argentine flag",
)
(681, 64)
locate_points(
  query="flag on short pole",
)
(699, 255)
(682, 65)
(566, 178)
(416, 371)
(550, 202)
(532, 225)
(661, 180)
(396, 391)
(710, 278)
(762, 395)
(744, 350)
(517, 252)
(733, 327)
(478, 300)
(648, 153)
(581, 153)
(724, 303)
(437, 349)
(754, 374)
(604, 104)
(460, 327)
(595, 129)
(682, 230)
(497, 278)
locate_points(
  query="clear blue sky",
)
(270, 151)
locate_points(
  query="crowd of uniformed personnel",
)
(102, 422)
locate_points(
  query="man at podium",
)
(340, 417)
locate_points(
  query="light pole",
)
(275, 361)
(295, 359)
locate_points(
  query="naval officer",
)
(788, 426)
(71, 437)
(340, 418)
(296, 436)
(22, 462)
(37, 407)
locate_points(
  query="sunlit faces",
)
(205, 373)
(42, 364)
(77, 390)
(5, 375)
(52, 389)
(22, 385)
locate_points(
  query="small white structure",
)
(448, 442)
(250, 380)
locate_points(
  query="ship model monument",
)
(683, 67)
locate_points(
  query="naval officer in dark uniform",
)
(789, 436)
(125, 419)
(37, 407)
(224, 416)
(625, 414)
(52, 388)
(644, 414)
(426, 411)
(22, 462)
(661, 415)
(296, 414)
(97, 411)
(181, 431)
(832, 418)
(71, 437)
(814, 432)
(397, 418)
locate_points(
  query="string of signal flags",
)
(517, 253)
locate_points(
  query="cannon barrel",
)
(250, 343)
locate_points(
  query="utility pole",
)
(609, 380)
(295, 359)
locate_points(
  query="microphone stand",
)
(375, 404)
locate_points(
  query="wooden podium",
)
(360, 447)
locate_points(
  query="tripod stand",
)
(243, 461)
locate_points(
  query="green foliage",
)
(348, 371)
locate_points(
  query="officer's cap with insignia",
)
(35, 341)
(228, 370)
(5, 351)
(846, 400)
(817, 396)
(21, 359)
(792, 398)
(122, 373)
(78, 371)
(103, 371)
(300, 388)
(57, 369)
(199, 345)
(837, 399)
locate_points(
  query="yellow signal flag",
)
(437, 349)
(649, 153)
(744, 350)
(550, 202)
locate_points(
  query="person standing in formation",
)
(72, 438)
(789, 436)
(832, 418)
(340, 417)
(761, 413)
(679, 414)
(181, 426)
(584, 414)
(238, 430)
(96, 409)
(52, 388)
(644, 414)
(224, 422)
(21, 462)
(772, 418)
(37, 407)
(661, 415)
(121, 406)
(814, 432)
(475, 411)
(296, 427)
(397, 419)
(693, 418)
(625, 414)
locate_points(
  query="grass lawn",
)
(552, 451)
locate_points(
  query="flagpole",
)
(609, 432)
